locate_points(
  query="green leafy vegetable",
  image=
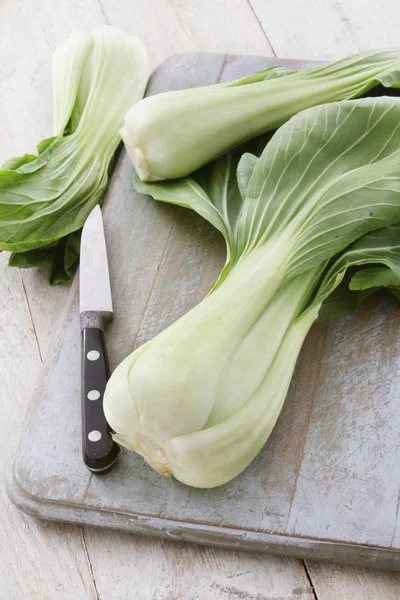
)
(319, 206)
(45, 199)
(172, 134)
(375, 263)
(62, 256)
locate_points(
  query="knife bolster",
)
(95, 319)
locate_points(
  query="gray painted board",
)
(326, 485)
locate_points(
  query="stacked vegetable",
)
(310, 216)
(313, 218)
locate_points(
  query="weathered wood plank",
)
(348, 471)
(328, 29)
(37, 559)
(171, 27)
(161, 570)
(339, 582)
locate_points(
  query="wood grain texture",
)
(160, 570)
(339, 582)
(169, 27)
(37, 558)
(328, 29)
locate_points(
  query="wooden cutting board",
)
(326, 485)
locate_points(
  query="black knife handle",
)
(98, 448)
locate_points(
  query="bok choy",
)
(318, 209)
(45, 199)
(172, 134)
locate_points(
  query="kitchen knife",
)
(98, 448)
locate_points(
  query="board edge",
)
(280, 545)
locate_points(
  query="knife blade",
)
(98, 448)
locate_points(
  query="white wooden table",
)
(45, 561)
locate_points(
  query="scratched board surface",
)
(326, 485)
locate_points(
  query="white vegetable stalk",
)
(97, 76)
(190, 378)
(171, 135)
(215, 455)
